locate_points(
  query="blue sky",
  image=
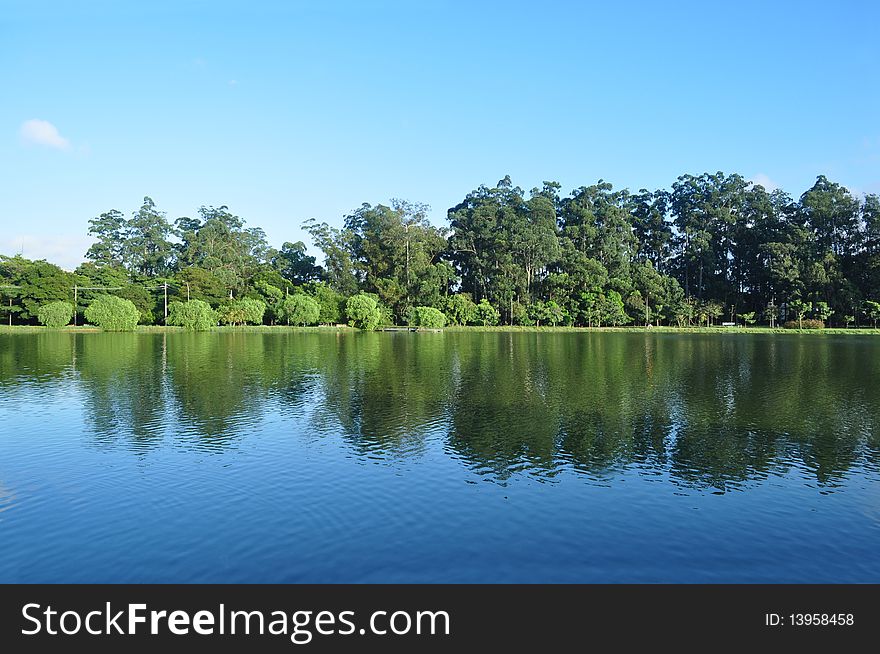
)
(292, 110)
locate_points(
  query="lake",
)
(439, 457)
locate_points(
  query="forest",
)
(713, 248)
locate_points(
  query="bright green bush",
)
(485, 314)
(55, 314)
(363, 312)
(460, 309)
(243, 311)
(299, 309)
(113, 314)
(194, 315)
(427, 317)
(332, 304)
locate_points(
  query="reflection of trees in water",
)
(222, 384)
(385, 391)
(708, 411)
(122, 376)
(703, 410)
(40, 357)
(214, 383)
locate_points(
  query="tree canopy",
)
(713, 247)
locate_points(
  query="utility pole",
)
(10, 301)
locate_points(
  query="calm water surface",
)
(530, 457)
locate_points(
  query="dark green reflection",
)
(703, 410)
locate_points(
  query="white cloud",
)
(65, 250)
(765, 181)
(42, 132)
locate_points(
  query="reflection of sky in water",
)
(439, 457)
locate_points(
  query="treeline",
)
(713, 248)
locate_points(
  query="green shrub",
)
(363, 312)
(386, 315)
(194, 315)
(55, 314)
(519, 315)
(242, 311)
(299, 309)
(332, 304)
(427, 317)
(460, 309)
(113, 314)
(807, 323)
(485, 314)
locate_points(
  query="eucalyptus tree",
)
(109, 228)
(219, 242)
(339, 267)
(294, 264)
(396, 253)
(147, 249)
(652, 227)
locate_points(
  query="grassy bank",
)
(671, 330)
(159, 329)
(278, 329)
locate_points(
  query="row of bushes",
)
(118, 314)
(113, 313)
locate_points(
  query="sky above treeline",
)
(285, 111)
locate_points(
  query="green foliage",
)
(330, 302)
(386, 315)
(821, 311)
(300, 309)
(196, 283)
(140, 245)
(428, 317)
(872, 310)
(219, 243)
(37, 282)
(799, 308)
(612, 310)
(394, 252)
(195, 315)
(112, 314)
(271, 294)
(519, 315)
(242, 311)
(294, 264)
(748, 318)
(363, 312)
(144, 301)
(598, 256)
(55, 314)
(460, 309)
(485, 314)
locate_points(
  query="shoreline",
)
(726, 331)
